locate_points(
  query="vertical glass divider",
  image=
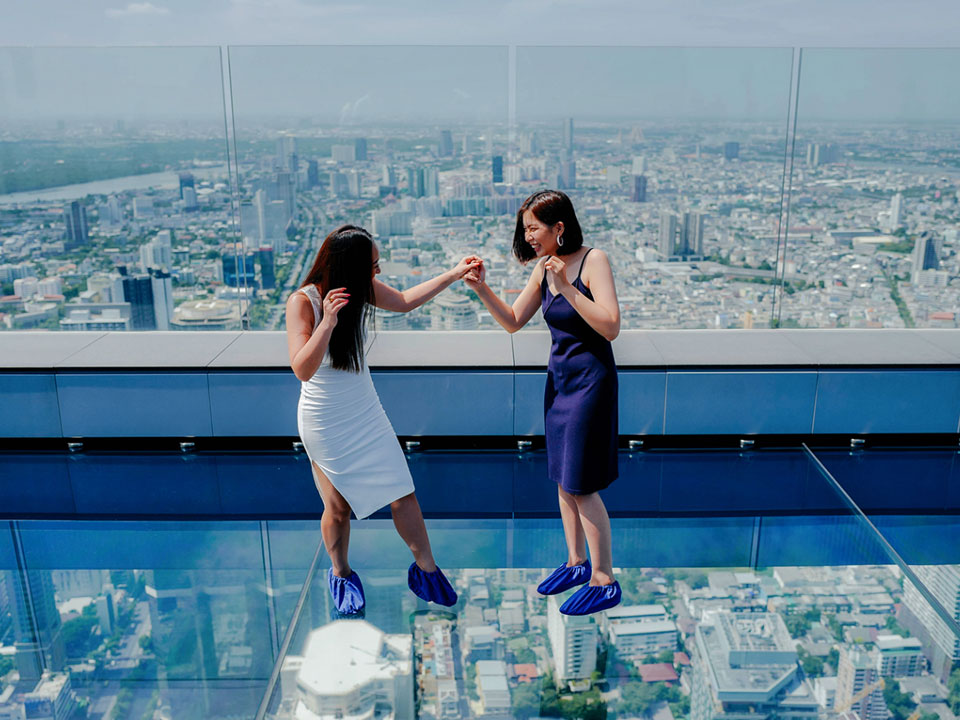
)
(786, 186)
(288, 635)
(230, 131)
(941, 612)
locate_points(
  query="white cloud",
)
(138, 8)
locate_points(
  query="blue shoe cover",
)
(347, 593)
(591, 599)
(432, 587)
(564, 578)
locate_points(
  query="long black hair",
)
(549, 207)
(346, 260)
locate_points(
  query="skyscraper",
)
(925, 255)
(667, 241)
(446, 143)
(287, 153)
(239, 271)
(574, 642)
(161, 285)
(568, 136)
(639, 193)
(856, 674)
(186, 181)
(268, 277)
(360, 149)
(639, 165)
(691, 235)
(36, 622)
(498, 168)
(138, 291)
(940, 644)
(313, 173)
(731, 150)
(567, 177)
(75, 220)
(896, 211)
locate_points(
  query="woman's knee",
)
(403, 502)
(337, 509)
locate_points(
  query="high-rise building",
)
(667, 240)
(189, 199)
(639, 165)
(822, 154)
(353, 183)
(446, 144)
(388, 176)
(239, 270)
(925, 255)
(343, 153)
(731, 150)
(497, 168)
(940, 644)
(900, 656)
(745, 667)
(896, 211)
(161, 284)
(158, 253)
(36, 622)
(111, 212)
(77, 233)
(268, 277)
(639, 191)
(138, 291)
(691, 234)
(567, 177)
(287, 153)
(574, 642)
(360, 149)
(859, 687)
(284, 189)
(313, 173)
(568, 136)
(186, 181)
(431, 182)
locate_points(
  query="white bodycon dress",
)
(347, 434)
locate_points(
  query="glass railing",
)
(197, 197)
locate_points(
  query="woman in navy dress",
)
(574, 287)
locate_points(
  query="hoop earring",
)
(560, 240)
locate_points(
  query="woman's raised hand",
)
(466, 265)
(558, 270)
(333, 303)
(476, 276)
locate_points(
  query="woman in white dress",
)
(356, 460)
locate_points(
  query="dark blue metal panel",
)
(35, 484)
(147, 484)
(704, 403)
(262, 484)
(254, 404)
(888, 401)
(447, 403)
(134, 404)
(641, 402)
(30, 407)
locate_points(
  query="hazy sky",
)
(556, 75)
(522, 22)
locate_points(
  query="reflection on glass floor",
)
(795, 606)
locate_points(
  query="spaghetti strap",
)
(580, 272)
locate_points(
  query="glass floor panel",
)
(750, 581)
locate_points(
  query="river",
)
(161, 181)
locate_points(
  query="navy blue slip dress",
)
(580, 401)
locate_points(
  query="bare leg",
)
(596, 526)
(334, 523)
(409, 523)
(572, 528)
